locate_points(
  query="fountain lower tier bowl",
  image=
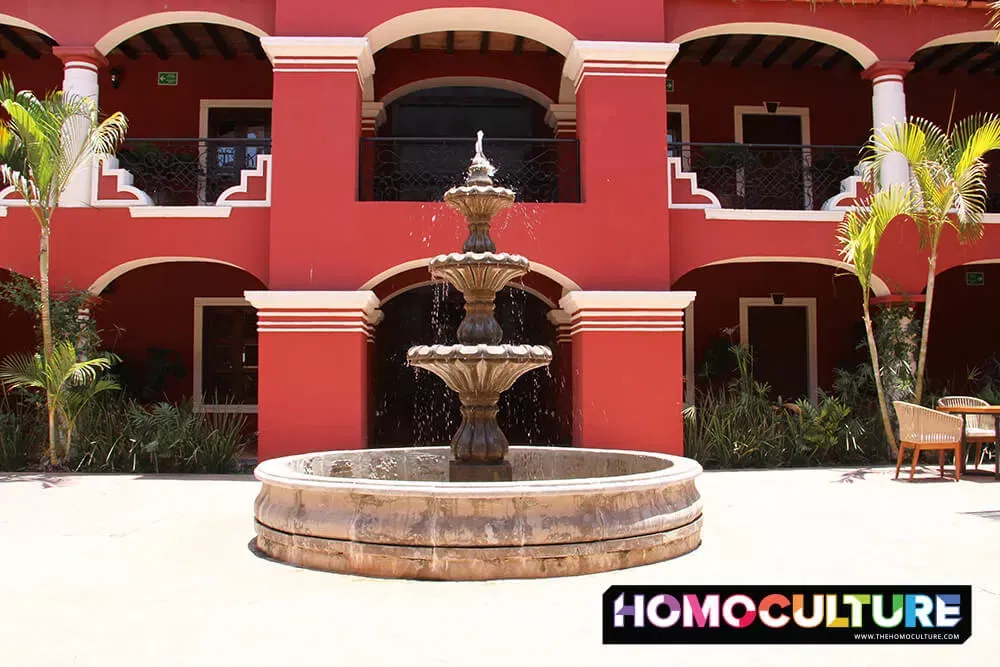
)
(479, 369)
(478, 271)
(393, 513)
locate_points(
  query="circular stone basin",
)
(393, 513)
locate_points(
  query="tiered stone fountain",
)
(479, 509)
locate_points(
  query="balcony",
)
(189, 172)
(422, 169)
(768, 176)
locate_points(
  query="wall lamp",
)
(116, 77)
(772, 107)
(777, 298)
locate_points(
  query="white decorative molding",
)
(991, 219)
(180, 211)
(16, 200)
(3, 211)
(372, 115)
(675, 172)
(108, 166)
(109, 276)
(14, 22)
(320, 300)
(772, 215)
(323, 54)
(200, 303)
(623, 302)
(598, 58)
(561, 117)
(563, 322)
(261, 170)
(850, 192)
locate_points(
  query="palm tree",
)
(68, 384)
(43, 143)
(948, 180)
(859, 236)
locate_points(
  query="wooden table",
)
(964, 411)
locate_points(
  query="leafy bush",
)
(22, 431)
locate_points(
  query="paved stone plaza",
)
(145, 570)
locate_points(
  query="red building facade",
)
(261, 241)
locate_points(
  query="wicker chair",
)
(979, 429)
(922, 429)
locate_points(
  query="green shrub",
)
(22, 431)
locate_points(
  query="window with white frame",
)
(225, 355)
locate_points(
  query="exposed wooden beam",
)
(484, 42)
(962, 58)
(714, 50)
(155, 45)
(253, 41)
(933, 57)
(449, 42)
(518, 45)
(186, 42)
(3, 54)
(415, 43)
(778, 51)
(807, 56)
(834, 60)
(549, 51)
(748, 50)
(986, 63)
(221, 45)
(19, 42)
(128, 50)
(48, 40)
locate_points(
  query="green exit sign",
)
(975, 278)
(166, 79)
(670, 85)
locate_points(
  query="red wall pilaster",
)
(564, 371)
(621, 120)
(628, 369)
(316, 124)
(313, 392)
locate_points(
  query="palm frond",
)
(861, 231)
(23, 371)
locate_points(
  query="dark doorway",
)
(775, 175)
(414, 407)
(249, 130)
(779, 338)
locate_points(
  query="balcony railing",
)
(769, 176)
(421, 169)
(189, 172)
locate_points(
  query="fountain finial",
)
(480, 171)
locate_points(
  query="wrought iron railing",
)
(188, 172)
(768, 176)
(421, 169)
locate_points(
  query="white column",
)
(80, 68)
(889, 108)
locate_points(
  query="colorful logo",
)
(780, 615)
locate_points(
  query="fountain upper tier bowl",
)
(487, 271)
(393, 513)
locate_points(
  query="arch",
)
(524, 288)
(117, 35)
(988, 36)
(110, 275)
(562, 280)
(468, 81)
(14, 22)
(864, 55)
(879, 286)
(470, 18)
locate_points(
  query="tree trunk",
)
(53, 451)
(883, 406)
(46, 318)
(925, 328)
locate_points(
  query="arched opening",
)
(414, 407)
(767, 115)
(952, 79)
(196, 88)
(962, 347)
(802, 321)
(439, 88)
(183, 330)
(27, 56)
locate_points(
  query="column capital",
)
(626, 310)
(315, 311)
(561, 118)
(372, 116)
(562, 321)
(80, 55)
(597, 58)
(321, 54)
(888, 69)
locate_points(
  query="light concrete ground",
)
(125, 570)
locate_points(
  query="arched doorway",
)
(413, 407)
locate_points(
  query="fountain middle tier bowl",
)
(486, 271)
(479, 369)
(479, 201)
(393, 513)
